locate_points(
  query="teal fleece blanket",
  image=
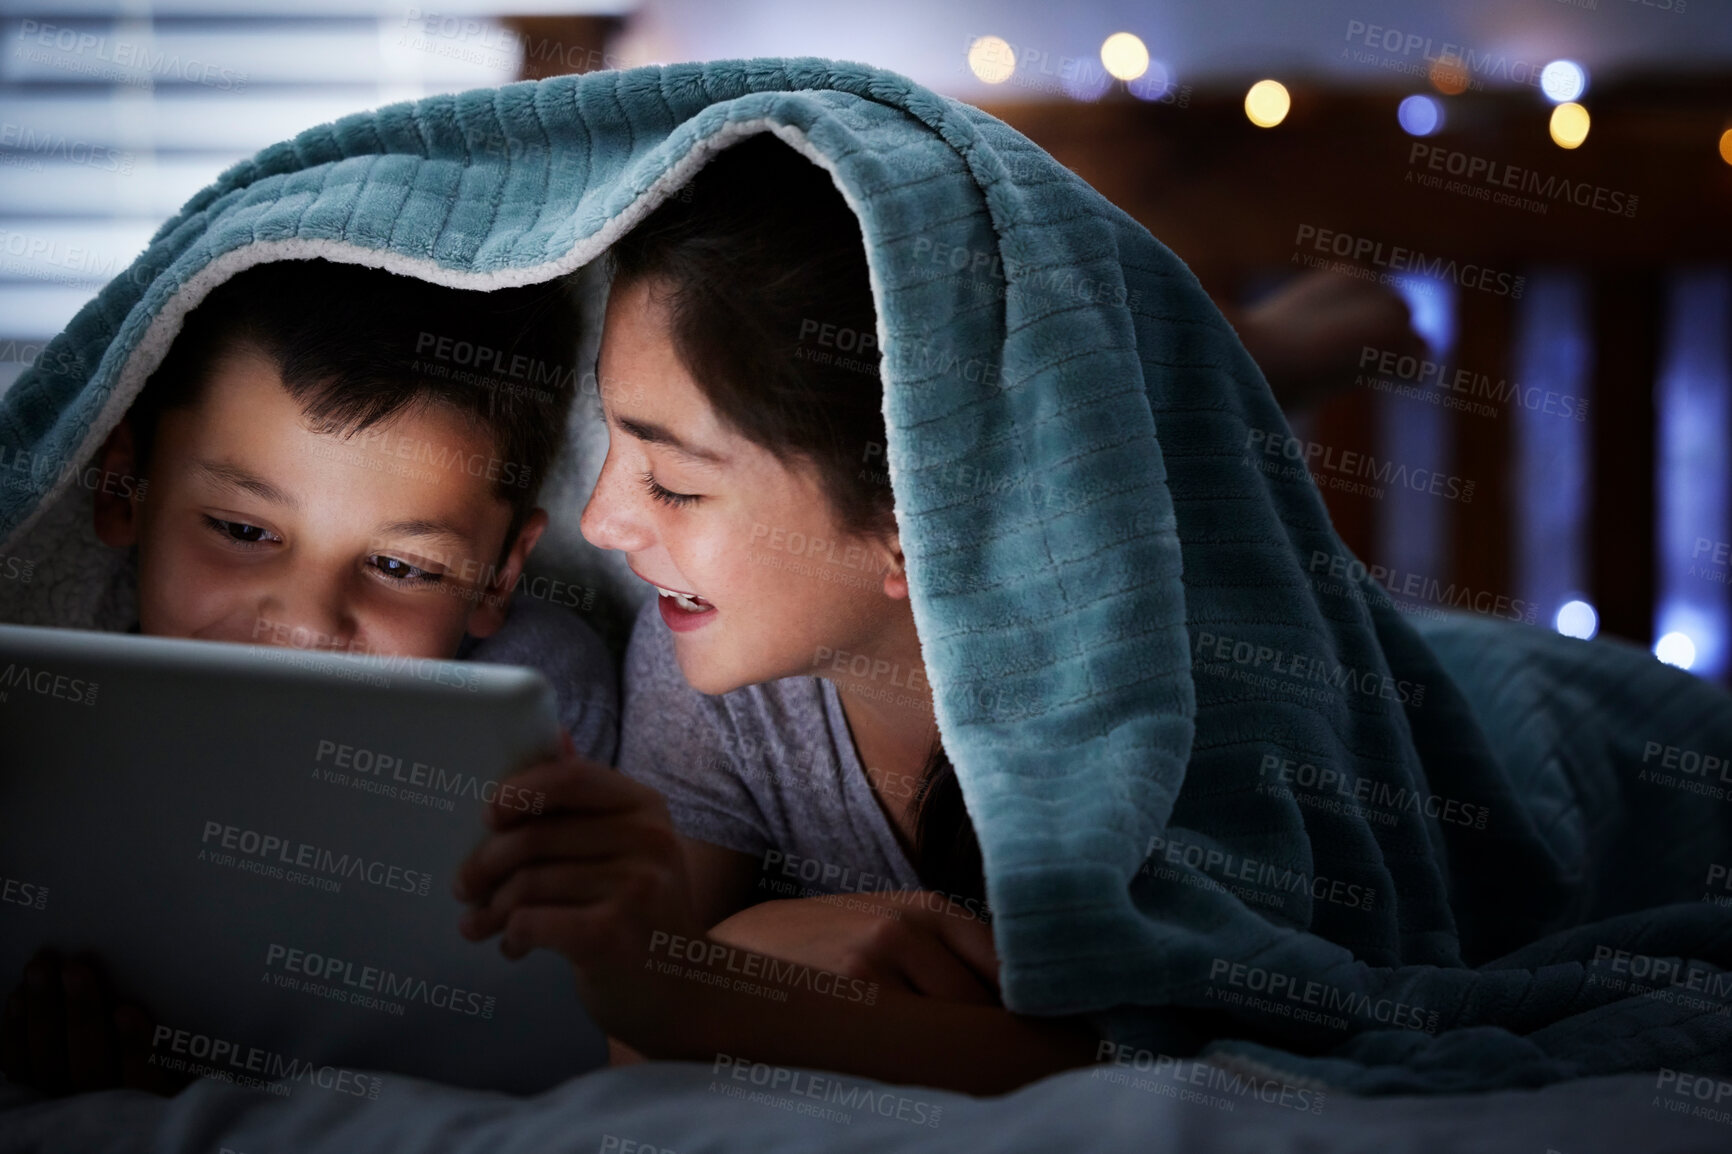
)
(1228, 798)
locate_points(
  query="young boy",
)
(340, 458)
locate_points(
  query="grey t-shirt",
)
(769, 769)
(564, 649)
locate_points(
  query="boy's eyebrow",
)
(660, 435)
(427, 530)
(230, 474)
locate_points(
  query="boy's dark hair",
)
(761, 260)
(356, 345)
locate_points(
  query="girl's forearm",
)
(900, 1038)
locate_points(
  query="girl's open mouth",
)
(683, 611)
(689, 602)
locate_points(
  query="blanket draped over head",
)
(1229, 799)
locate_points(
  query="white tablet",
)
(260, 843)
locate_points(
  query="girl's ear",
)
(493, 604)
(895, 569)
(114, 511)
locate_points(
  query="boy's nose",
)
(304, 620)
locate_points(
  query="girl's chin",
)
(712, 673)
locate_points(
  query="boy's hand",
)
(891, 939)
(63, 1032)
(592, 877)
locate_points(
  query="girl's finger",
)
(933, 969)
(969, 940)
(556, 883)
(565, 838)
(564, 784)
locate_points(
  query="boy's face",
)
(257, 529)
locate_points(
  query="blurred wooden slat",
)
(1626, 328)
(557, 45)
(1482, 529)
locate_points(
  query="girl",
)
(777, 706)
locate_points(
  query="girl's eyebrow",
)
(655, 434)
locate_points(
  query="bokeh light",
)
(1569, 125)
(1267, 103)
(1420, 116)
(1577, 619)
(1086, 83)
(1563, 80)
(1726, 146)
(1154, 84)
(1450, 76)
(1676, 649)
(1125, 56)
(992, 59)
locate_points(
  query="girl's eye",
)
(240, 532)
(666, 496)
(402, 571)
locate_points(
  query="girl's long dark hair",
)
(761, 263)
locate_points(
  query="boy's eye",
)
(399, 570)
(666, 496)
(240, 531)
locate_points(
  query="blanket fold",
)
(1222, 792)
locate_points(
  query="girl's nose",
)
(612, 520)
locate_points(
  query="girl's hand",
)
(64, 1033)
(894, 939)
(592, 877)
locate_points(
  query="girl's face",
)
(768, 585)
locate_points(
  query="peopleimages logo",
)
(47, 683)
(1499, 174)
(1301, 998)
(880, 1100)
(1328, 465)
(1463, 388)
(122, 61)
(1398, 43)
(226, 1060)
(1226, 867)
(1299, 670)
(1400, 259)
(1348, 572)
(264, 850)
(364, 980)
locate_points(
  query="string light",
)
(1267, 103)
(1569, 125)
(1125, 56)
(1676, 649)
(1577, 619)
(1420, 116)
(992, 59)
(1563, 81)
